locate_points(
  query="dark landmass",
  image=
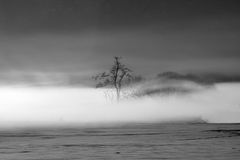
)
(169, 83)
(232, 132)
(206, 78)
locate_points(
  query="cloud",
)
(147, 50)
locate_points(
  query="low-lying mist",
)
(34, 106)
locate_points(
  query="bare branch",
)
(117, 74)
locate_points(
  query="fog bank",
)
(26, 106)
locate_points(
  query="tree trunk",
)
(117, 93)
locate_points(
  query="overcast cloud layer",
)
(68, 37)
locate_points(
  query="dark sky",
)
(80, 37)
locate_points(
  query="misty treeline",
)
(119, 75)
(124, 82)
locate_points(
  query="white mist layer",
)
(62, 106)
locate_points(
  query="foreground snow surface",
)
(129, 142)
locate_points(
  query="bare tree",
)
(118, 75)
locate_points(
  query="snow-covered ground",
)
(131, 142)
